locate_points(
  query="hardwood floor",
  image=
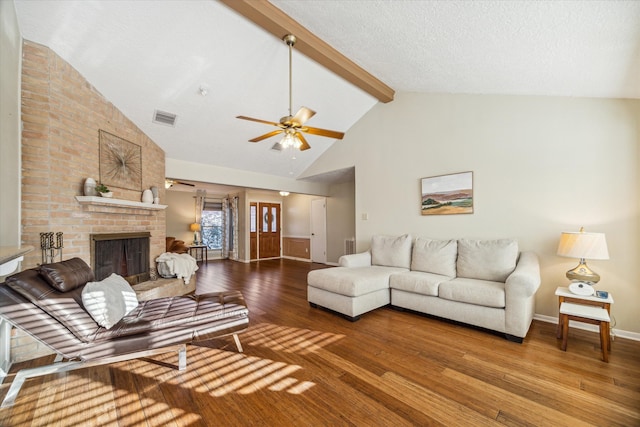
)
(305, 366)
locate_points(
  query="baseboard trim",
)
(296, 258)
(635, 336)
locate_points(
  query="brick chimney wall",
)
(62, 114)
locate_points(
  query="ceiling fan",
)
(168, 183)
(293, 125)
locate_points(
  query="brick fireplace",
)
(62, 114)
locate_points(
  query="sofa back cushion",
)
(435, 256)
(492, 260)
(391, 251)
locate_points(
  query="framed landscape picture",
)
(447, 194)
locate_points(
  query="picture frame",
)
(450, 194)
(120, 162)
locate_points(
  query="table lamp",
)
(195, 227)
(583, 246)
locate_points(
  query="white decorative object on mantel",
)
(147, 196)
(90, 187)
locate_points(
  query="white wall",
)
(296, 216)
(541, 165)
(180, 213)
(10, 132)
(340, 219)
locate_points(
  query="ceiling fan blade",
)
(323, 132)
(304, 145)
(266, 135)
(258, 120)
(303, 115)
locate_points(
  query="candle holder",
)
(51, 249)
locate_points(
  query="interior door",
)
(319, 231)
(269, 230)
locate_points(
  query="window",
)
(211, 224)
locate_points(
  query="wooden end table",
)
(588, 316)
(194, 250)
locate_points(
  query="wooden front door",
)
(268, 230)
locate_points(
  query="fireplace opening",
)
(126, 254)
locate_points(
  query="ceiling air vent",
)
(164, 118)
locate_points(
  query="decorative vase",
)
(154, 191)
(156, 200)
(147, 196)
(90, 187)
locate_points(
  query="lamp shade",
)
(583, 245)
(194, 227)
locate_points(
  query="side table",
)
(195, 250)
(569, 308)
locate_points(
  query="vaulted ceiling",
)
(206, 63)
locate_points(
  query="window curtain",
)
(225, 228)
(233, 253)
(200, 198)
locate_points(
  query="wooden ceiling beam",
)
(275, 21)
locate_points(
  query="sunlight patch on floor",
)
(288, 339)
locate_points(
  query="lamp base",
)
(582, 273)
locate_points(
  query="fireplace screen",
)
(126, 254)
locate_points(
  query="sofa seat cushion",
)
(179, 312)
(435, 256)
(417, 282)
(473, 291)
(492, 260)
(352, 282)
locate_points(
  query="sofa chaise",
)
(51, 304)
(486, 283)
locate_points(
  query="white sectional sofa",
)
(486, 283)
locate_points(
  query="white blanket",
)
(182, 265)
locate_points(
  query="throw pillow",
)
(492, 260)
(435, 256)
(67, 275)
(109, 300)
(391, 251)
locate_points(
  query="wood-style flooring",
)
(309, 367)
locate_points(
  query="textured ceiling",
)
(146, 55)
(566, 48)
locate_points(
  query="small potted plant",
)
(103, 190)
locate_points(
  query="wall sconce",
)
(195, 227)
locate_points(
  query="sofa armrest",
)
(362, 259)
(524, 281)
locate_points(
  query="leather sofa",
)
(47, 303)
(486, 283)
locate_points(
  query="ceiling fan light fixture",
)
(290, 141)
(293, 125)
